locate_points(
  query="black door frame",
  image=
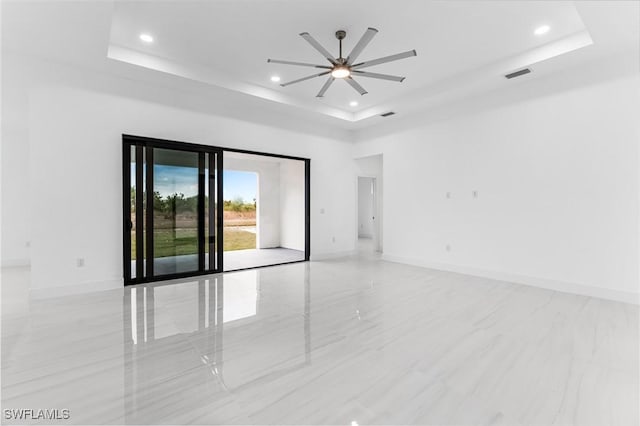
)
(216, 161)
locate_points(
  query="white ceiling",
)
(463, 47)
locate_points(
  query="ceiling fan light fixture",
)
(340, 71)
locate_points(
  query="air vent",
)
(518, 73)
(387, 114)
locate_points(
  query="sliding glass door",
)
(185, 213)
(171, 216)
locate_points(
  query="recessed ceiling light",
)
(146, 38)
(275, 78)
(542, 30)
(353, 103)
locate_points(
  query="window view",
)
(175, 211)
(240, 206)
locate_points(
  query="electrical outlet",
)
(447, 247)
(448, 195)
(474, 194)
(80, 262)
(321, 211)
(333, 239)
(27, 244)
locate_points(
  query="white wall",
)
(70, 129)
(268, 212)
(269, 207)
(15, 173)
(71, 206)
(365, 207)
(292, 208)
(557, 182)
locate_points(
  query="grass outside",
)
(235, 239)
(186, 241)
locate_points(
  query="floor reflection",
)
(210, 337)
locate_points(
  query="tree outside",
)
(176, 224)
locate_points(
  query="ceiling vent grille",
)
(518, 73)
(387, 114)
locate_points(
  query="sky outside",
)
(240, 184)
(170, 180)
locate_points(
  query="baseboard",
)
(561, 286)
(12, 263)
(68, 290)
(331, 255)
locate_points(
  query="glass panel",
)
(143, 164)
(214, 217)
(168, 190)
(132, 217)
(207, 224)
(210, 211)
(175, 211)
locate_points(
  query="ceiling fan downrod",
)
(340, 35)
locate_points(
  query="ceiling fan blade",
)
(305, 78)
(302, 64)
(325, 86)
(356, 86)
(376, 75)
(312, 41)
(362, 43)
(386, 59)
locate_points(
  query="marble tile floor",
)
(332, 342)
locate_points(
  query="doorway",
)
(367, 214)
(264, 210)
(176, 203)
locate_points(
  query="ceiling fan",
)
(345, 68)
